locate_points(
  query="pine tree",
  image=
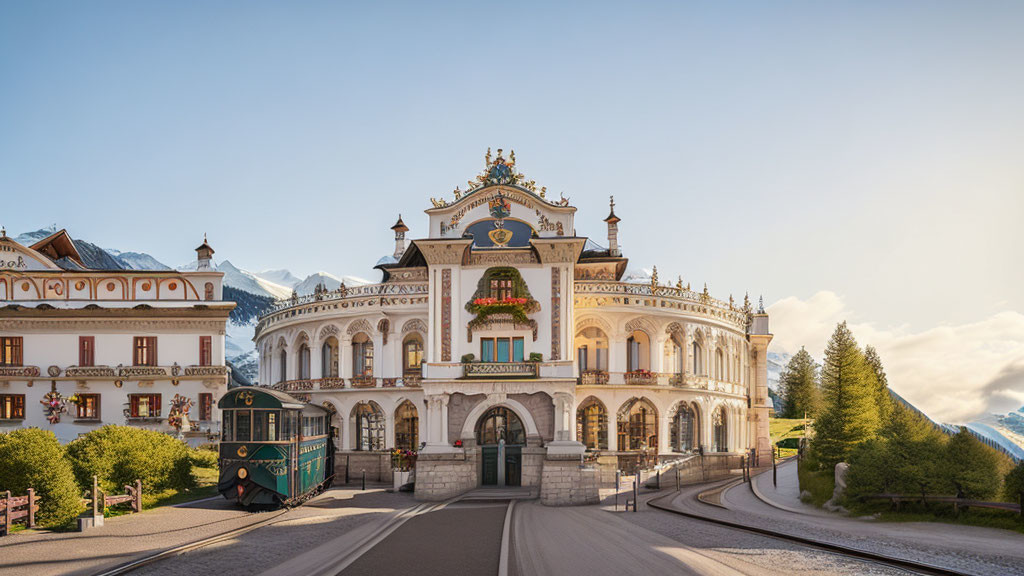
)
(849, 414)
(799, 383)
(881, 382)
(971, 468)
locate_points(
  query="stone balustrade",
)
(500, 369)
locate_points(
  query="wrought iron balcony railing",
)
(500, 369)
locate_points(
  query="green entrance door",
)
(490, 471)
(513, 465)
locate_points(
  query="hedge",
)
(118, 455)
(34, 458)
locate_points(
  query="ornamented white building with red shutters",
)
(82, 347)
(506, 349)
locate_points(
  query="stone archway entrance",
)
(501, 436)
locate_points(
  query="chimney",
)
(400, 229)
(613, 230)
(204, 254)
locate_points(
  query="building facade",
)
(81, 348)
(506, 349)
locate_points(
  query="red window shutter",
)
(134, 406)
(137, 351)
(205, 350)
(154, 401)
(20, 403)
(152, 351)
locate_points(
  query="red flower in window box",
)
(458, 444)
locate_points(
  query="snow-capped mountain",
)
(638, 275)
(777, 362)
(137, 260)
(245, 280)
(330, 281)
(280, 277)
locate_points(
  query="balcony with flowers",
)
(502, 299)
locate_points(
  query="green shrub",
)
(212, 446)
(790, 443)
(34, 458)
(1014, 483)
(204, 458)
(118, 455)
(467, 358)
(536, 357)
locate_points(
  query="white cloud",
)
(954, 373)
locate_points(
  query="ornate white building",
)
(80, 347)
(505, 348)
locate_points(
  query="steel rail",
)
(901, 563)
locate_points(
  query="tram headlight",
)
(242, 473)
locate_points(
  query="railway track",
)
(891, 561)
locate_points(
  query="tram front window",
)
(265, 427)
(228, 426)
(243, 425)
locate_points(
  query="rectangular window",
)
(86, 350)
(88, 407)
(144, 405)
(12, 406)
(10, 350)
(581, 358)
(264, 426)
(145, 351)
(501, 289)
(206, 406)
(228, 426)
(243, 425)
(517, 349)
(502, 350)
(487, 349)
(205, 351)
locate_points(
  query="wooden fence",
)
(18, 508)
(132, 495)
(958, 503)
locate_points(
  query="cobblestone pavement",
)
(969, 549)
(133, 536)
(596, 541)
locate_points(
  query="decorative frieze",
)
(141, 371)
(19, 371)
(500, 369)
(363, 382)
(556, 313)
(446, 315)
(90, 371)
(206, 371)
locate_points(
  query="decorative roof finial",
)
(487, 158)
(731, 302)
(654, 277)
(679, 283)
(3, 231)
(512, 157)
(760, 305)
(204, 238)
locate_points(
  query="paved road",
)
(461, 538)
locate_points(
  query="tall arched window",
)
(369, 423)
(677, 357)
(719, 365)
(592, 350)
(592, 425)
(362, 355)
(683, 435)
(698, 359)
(329, 358)
(500, 423)
(638, 426)
(407, 427)
(638, 352)
(719, 430)
(412, 355)
(283, 360)
(304, 361)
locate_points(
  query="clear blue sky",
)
(873, 149)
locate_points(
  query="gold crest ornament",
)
(243, 451)
(500, 236)
(246, 397)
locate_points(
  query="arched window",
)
(719, 365)
(407, 427)
(638, 355)
(592, 350)
(362, 355)
(369, 423)
(329, 358)
(304, 361)
(412, 354)
(592, 425)
(683, 434)
(283, 354)
(500, 423)
(719, 430)
(698, 359)
(677, 357)
(638, 426)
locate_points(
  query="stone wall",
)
(376, 464)
(543, 411)
(607, 465)
(533, 465)
(442, 476)
(567, 483)
(459, 407)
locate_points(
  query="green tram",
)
(274, 449)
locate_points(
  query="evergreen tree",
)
(849, 414)
(881, 382)
(799, 384)
(1013, 487)
(971, 469)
